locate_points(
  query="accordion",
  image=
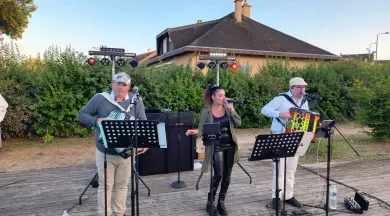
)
(115, 115)
(302, 120)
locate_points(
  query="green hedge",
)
(45, 94)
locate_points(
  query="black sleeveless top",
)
(226, 141)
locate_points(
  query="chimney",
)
(246, 9)
(237, 11)
(199, 21)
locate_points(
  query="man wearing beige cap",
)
(278, 110)
(98, 108)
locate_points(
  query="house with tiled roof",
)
(146, 56)
(235, 34)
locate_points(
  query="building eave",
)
(240, 52)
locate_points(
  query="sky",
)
(338, 26)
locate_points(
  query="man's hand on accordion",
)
(99, 120)
(285, 115)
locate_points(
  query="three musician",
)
(278, 109)
(96, 110)
(119, 99)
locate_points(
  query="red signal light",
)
(234, 66)
(91, 61)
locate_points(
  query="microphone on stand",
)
(233, 101)
(135, 90)
(312, 96)
(136, 94)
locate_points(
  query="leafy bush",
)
(372, 96)
(45, 94)
(14, 87)
(64, 83)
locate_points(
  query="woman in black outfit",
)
(226, 153)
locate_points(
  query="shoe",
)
(95, 184)
(210, 205)
(274, 204)
(221, 205)
(294, 202)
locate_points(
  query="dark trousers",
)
(223, 165)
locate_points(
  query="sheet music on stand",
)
(121, 133)
(284, 145)
(304, 145)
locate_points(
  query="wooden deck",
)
(51, 191)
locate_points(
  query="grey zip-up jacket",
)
(99, 107)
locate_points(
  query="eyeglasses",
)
(300, 87)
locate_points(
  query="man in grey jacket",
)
(98, 108)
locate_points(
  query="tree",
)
(14, 17)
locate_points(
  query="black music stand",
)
(131, 134)
(211, 137)
(276, 146)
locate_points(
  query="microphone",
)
(135, 90)
(233, 101)
(312, 96)
(136, 94)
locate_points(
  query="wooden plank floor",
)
(51, 191)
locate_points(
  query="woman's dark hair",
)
(208, 92)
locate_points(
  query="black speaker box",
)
(187, 145)
(159, 161)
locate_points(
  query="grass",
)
(80, 151)
(15, 144)
(38, 155)
(368, 148)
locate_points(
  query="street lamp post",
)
(369, 52)
(377, 35)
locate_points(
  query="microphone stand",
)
(178, 184)
(136, 151)
(329, 134)
(315, 103)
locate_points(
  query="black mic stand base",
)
(178, 184)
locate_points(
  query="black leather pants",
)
(223, 165)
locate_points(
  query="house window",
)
(170, 47)
(165, 45)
